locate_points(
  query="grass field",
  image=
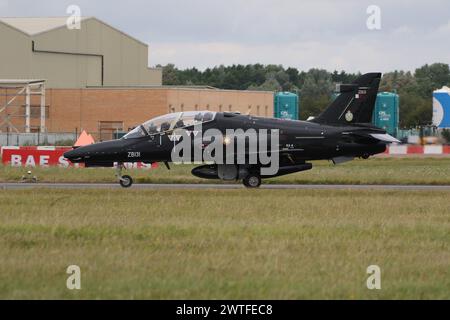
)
(225, 244)
(373, 171)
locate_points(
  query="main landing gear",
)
(252, 180)
(124, 180)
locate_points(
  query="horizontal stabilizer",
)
(384, 137)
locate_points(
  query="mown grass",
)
(224, 244)
(433, 171)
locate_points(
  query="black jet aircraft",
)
(341, 133)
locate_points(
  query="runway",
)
(149, 186)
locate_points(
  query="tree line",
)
(316, 86)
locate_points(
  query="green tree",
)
(170, 75)
(317, 82)
(315, 93)
(431, 77)
(271, 84)
(414, 110)
(311, 106)
(398, 81)
(343, 77)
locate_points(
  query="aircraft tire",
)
(253, 180)
(126, 181)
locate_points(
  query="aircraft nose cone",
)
(72, 154)
(94, 152)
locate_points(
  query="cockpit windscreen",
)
(170, 122)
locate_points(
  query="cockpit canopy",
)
(169, 122)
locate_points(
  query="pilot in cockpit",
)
(179, 124)
(165, 126)
(208, 116)
(198, 117)
(152, 128)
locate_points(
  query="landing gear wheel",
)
(252, 180)
(126, 181)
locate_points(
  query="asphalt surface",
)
(11, 186)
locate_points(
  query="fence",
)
(34, 139)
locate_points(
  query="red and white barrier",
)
(46, 156)
(406, 149)
(35, 156)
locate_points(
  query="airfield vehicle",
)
(341, 133)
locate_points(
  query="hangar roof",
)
(35, 25)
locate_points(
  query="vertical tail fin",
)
(355, 104)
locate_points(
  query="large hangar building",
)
(96, 79)
(95, 55)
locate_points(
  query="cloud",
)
(354, 54)
(443, 30)
(305, 34)
(326, 40)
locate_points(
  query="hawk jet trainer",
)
(232, 146)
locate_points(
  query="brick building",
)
(104, 111)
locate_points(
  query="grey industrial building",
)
(94, 55)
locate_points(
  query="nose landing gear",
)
(125, 181)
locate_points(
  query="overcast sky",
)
(298, 33)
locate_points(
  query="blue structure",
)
(441, 108)
(286, 105)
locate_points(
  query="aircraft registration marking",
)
(136, 154)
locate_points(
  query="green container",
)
(286, 105)
(386, 112)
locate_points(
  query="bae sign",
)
(35, 156)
